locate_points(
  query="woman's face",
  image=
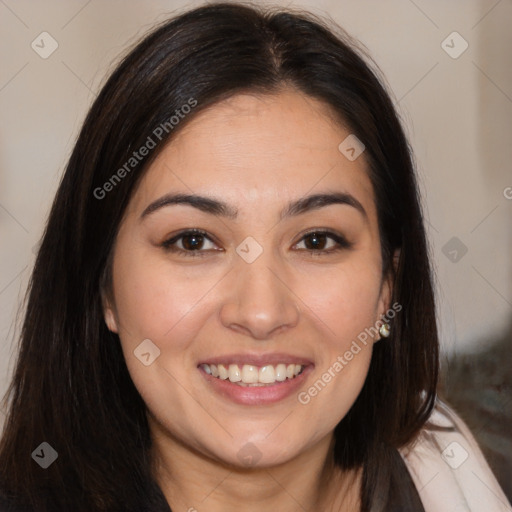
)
(286, 276)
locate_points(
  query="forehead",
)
(252, 147)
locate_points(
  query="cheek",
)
(344, 299)
(345, 302)
(153, 302)
(166, 308)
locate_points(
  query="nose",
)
(259, 303)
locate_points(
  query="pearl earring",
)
(384, 330)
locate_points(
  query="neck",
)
(191, 481)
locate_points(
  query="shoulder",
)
(449, 469)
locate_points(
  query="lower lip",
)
(257, 395)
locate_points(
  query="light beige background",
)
(458, 113)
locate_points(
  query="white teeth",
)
(250, 375)
(267, 374)
(281, 372)
(223, 372)
(234, 374)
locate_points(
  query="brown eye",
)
(320, 242)
(316, 241)
(193, 241)
(189, 243)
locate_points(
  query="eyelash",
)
(342, 243)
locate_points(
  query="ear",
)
(386, 292)
(109, 312)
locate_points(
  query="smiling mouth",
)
(250, 375)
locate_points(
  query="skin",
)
(256, 153)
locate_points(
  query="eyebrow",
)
(221, 209)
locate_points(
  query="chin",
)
(259, 453)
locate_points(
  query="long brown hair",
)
(71, 387)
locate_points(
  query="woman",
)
(232, 305)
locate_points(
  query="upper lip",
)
(257, 359)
